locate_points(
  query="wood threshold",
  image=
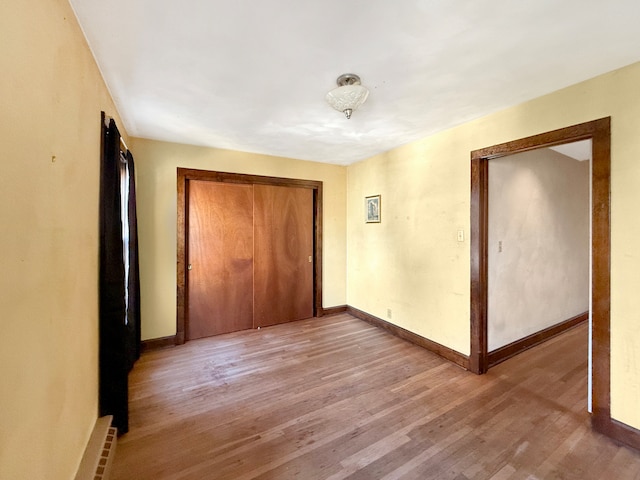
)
(501, 354)
(434, 347)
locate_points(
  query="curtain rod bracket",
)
(107, 121)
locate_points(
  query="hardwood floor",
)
(336, 398)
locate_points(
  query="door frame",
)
(184, 175)
(599, 131)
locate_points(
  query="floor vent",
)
(106, 457)
(100, 451)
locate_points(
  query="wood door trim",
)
(183, 177)
(599, 131)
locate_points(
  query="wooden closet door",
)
(220, 258)
(283, 249)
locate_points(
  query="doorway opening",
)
(539, 241)
(599, 132)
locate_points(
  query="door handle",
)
(189, 267)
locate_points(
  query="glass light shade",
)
(347, 97)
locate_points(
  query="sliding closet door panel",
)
(220, 258)
(283, 249)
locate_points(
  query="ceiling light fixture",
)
(349, 95)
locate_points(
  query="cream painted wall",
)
(156, 168)
(538, 236)
(412, 263)
(51, 95)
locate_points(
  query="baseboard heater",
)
(101, 449)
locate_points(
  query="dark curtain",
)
(134, 269)
(119, 277)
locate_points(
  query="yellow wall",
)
(412, 263)
(51, 95)
(156, 168)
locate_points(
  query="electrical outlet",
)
(461, 235)
(388, 313)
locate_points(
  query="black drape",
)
(119, 291)
(134, 269)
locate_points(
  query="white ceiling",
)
(252, 75)
(580, 151)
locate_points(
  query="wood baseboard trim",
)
(334, 310)
(440, 350)
(619, 432)
(158, 343)
(503, 353)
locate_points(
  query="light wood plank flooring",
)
(335, 398)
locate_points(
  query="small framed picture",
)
(372, 209)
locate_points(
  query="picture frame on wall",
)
(372, 209)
